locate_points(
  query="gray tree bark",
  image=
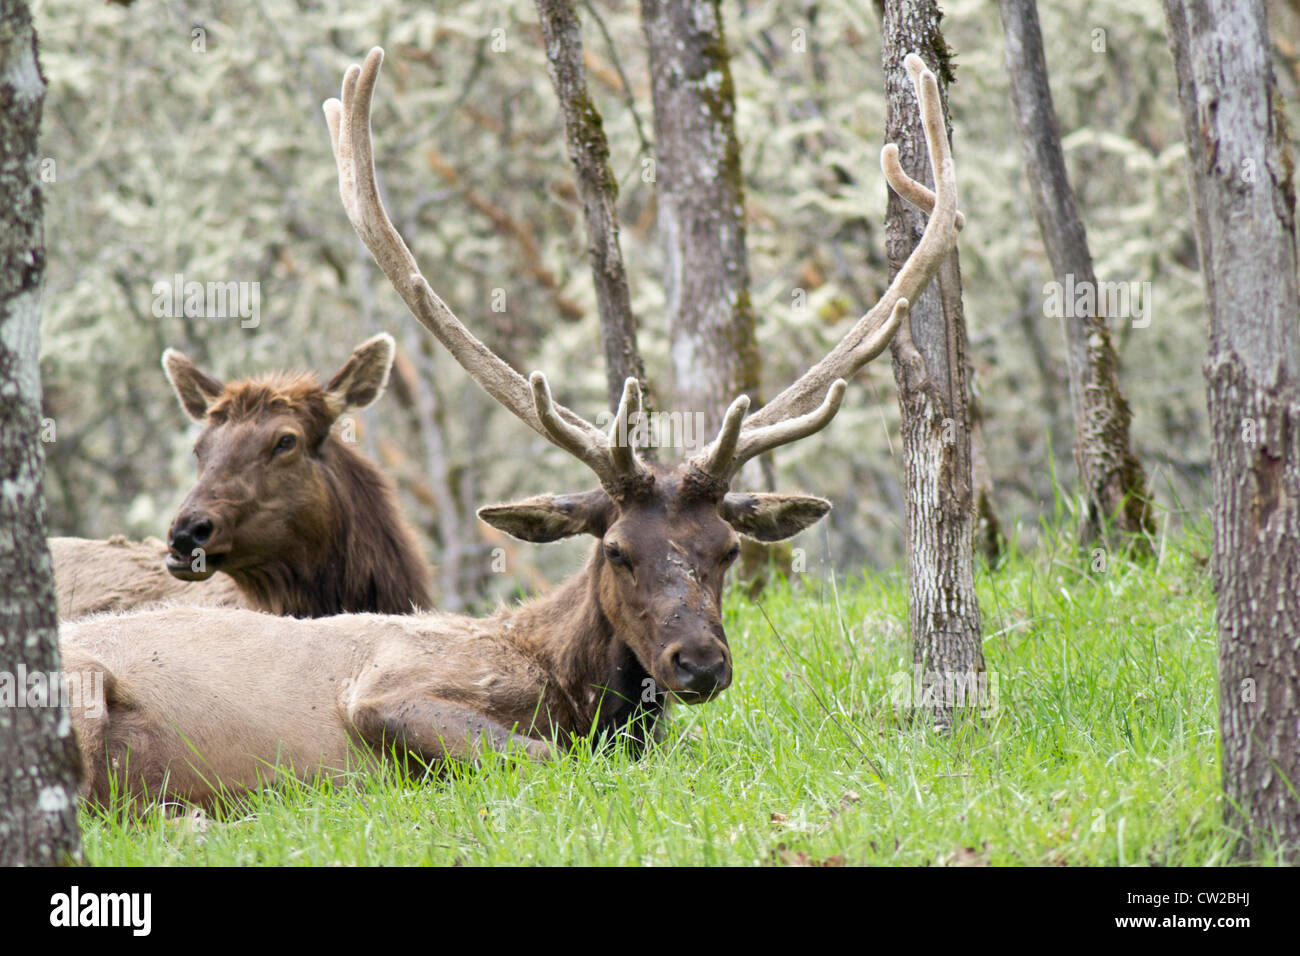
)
(701, 216)
(701, 211)
(1113, 482)
(933, 376)
(39, 760)
(1243, 194)
(584, 136)
(989, 538)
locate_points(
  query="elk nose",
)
(189, 534)
(700, 678)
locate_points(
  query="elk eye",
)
(732, 554)
(615, 556)
(285, 443)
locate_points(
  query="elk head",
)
(667, 537)
(667, 533)
(261, 491)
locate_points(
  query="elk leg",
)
(434, 729)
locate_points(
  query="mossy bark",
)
(1243, 193)
(933, 375)
(701, 208)
(701, 215)
(584, 136)
(1113, 482)
(39, 760)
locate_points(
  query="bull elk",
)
(296, 520)
(202, 697)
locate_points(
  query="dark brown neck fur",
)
(374, 564)
(604, 684)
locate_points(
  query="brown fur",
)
(199, 700)
(308, 530)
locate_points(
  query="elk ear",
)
(552, 517)
(771, 517)
(363, 377)
(196, 390)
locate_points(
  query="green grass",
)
(1102, 749)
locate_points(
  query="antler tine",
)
(918, 194)
(350, 137)
(621, 450)
(738, 442)
(718, 454)
(578, 442)
(612, 458)
(755, 441)
(734, 446)
(873, 332)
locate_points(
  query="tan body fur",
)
(197, 695)
(93, 576)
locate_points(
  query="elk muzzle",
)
(699, 668)
(191, 540)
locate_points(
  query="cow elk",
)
(295, 519)
(205, 697)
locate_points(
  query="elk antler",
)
(611, 456)
(794, 413)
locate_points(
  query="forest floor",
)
(1094, 742)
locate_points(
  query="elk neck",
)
(372, 563)
(572, 639)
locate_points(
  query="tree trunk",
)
(1113, 482)
(933, 376)
(989, 539)
(701, 215)
(414, 388)
(39, 760)
(1244, 198)
(584, 136)
(701, 211)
